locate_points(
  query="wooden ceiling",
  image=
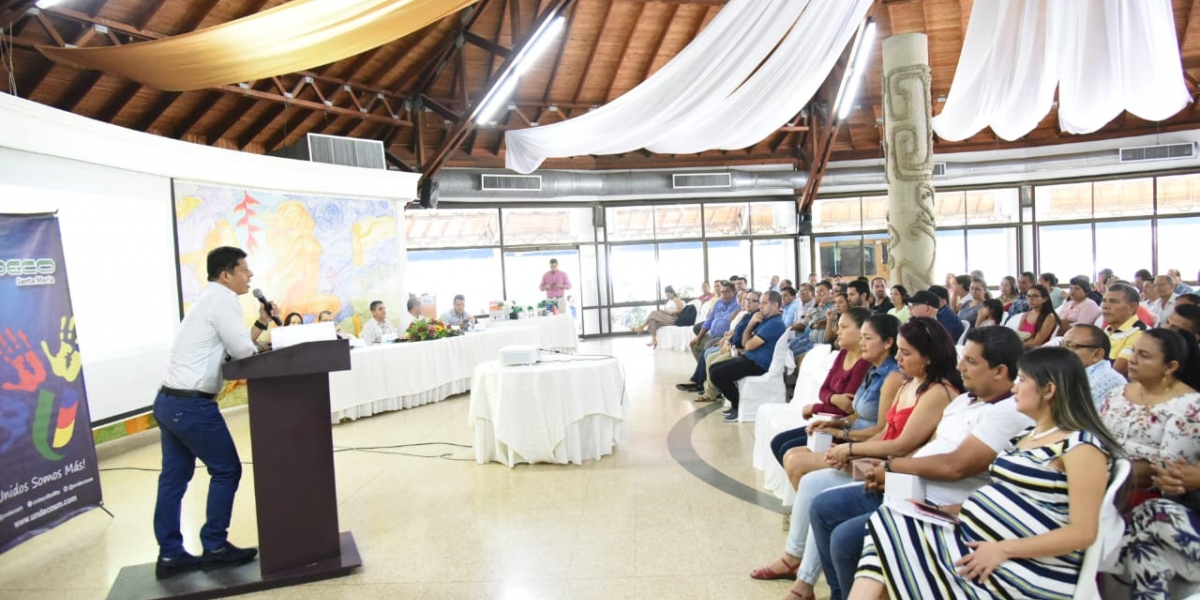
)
(609, 47)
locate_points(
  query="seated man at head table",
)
(412, 313)
(458, 315)
(378, 330)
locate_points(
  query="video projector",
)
(519, 355)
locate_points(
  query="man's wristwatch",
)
(260, 325)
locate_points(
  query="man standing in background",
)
(555, 283)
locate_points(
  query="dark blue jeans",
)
(792, 438)
(194, 428)
(839, 522)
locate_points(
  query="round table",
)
(565, 409)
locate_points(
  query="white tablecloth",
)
(562, 410)
(395, 376)
(558, 331)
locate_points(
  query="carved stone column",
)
(908, 147)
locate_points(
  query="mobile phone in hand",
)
(934, 510)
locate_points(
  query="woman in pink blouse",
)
(1079, 308)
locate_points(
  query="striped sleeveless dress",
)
(1027, 497)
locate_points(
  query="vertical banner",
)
(48, 470)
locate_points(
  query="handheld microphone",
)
(257, 293)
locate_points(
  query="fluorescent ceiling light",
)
(496, 99)
(845, 102)
(528, 55)
(47, 3)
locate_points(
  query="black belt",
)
(186, 393)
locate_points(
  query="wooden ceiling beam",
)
(558, 58)
(259, 124)
(658, 44)
(152, 8)
(79, 90)
(608, 95)
(694, 2)
(206, 104)
(199, 11)
(160, 106)
(231, 118)
(587, 69)
(1187, 24)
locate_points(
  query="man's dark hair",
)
(806, 285)
(940, 292)
(863, 278)
(825, 284)
(460, 297)
(772, 297)
(1097, 338)
(1082, 282)
(862, 287)
(789, 289)
(964, 281)
(223, 260)
(1193, 299)
(1001, 346)
(413, 302)
(1030, 276)
(554, 261)
(376, 304)
(1143, 275)
(1131, 294)
(1105, 272)
(1191, 314)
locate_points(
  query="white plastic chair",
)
(1085, 587)
(768, 387)
(962, 339)
(1014, 321)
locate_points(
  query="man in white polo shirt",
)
(190, 420)
(975, 428)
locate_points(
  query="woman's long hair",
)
(1180, 346)
(929, 338)
(1047, 310)
(1072, 408)
(1012, 286)
(903, 294)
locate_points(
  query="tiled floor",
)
(634, 525)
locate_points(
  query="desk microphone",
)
(257, 293)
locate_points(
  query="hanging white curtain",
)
(693, 91)
(1104, 56)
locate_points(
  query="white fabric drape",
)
(681, 107)
(1104, 56)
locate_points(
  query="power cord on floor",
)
(366, 449)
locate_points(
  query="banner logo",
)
(29, 271)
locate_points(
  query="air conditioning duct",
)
(500, 182)
(1161, 152)
(335, 150)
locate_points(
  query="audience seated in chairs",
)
(858, 295)
(1008, 291)
(1193, 299)
(1164, 289)
(926, 355)
(1157, 419)
(791, 304)
(948, 318)
(899, 303)
(661, 318)
(1021, 303)
(811, 329)
(1050, 282)
(881, 301)
(731, 342)
(715, 325)
(1024, 534)
(1119, 310)
(1185, 318)
(960, 292)
(706, 293)
(991, 313)
(1079, 307)
(378, 330)
(458, 315)
(1040, 321)
(975, 428)
(1090, 344)
(762, 332)
(977, 293)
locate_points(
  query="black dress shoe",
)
(688, 387)
(170, 567)
(228, 556)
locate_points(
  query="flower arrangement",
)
(424, 329)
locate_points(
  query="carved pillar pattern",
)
(908, 147)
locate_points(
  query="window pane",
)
(625, 318)
(993, 251)
(950, 209)
(951, 255)
(728, 257)
(1063, 202)
(630, 223)
(993, 206)
(1123, 247)
(840, 255)
(875, 248)
(681, 266)
(452, 228)
(1066, 251)
(837, 214)
(1123, 197)
(523, 275)
(724, 220)
(1179, 194)
(1177, 246)
(534, 226)
(677, 221)
(632, 281)
(773, 257)
(476, 276)
(773, 217)
(875, 213)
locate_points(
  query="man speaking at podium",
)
(191, 423)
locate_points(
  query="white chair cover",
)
(767, 388)
(1103, 552)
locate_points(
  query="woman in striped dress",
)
(1024, 535)
(661, 318)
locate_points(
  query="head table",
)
(388, 377)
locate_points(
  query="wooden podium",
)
(296, 497)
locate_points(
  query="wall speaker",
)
(428, 189)
(804, 223)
